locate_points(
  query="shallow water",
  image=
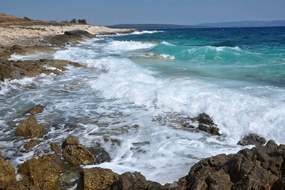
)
(137, 90)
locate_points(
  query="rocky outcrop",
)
(35, 110)
(74, 36)
(98, 179)
(7, 173)
(39, 173)
(207, 124)
(32, 68)
(25, 50)
(30, 128)
(261, 167)
(129, 181)
(75, 153)
(252, 139)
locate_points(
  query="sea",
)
(137, 91)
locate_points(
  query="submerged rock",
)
(252, 139)
(101, 155)
(30, 145)
(30, 128)
(75, 153)
(98, 179)
(257, 168)
(7, 173)
(55, 148)
(206, 124)
(35, 110)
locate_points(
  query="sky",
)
(109, 12)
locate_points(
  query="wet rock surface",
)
(252, 139)
(40, 173)
(31, 68)
(98, 179)
(30, 128)
(257, 168)
(73, 36)
(30, 145)
(7, 173)
(100, 154)
(75, 153)
(136, 180)
(207, 124)
(35, 110)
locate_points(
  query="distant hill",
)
(149, 26)
(274, 23)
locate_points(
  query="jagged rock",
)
(35, 110)
(31, 68)
(252, 139)
(206, 124)
(80, 33)
(257, 168)
(30, 128)
(7, 173)
(31, 144)
(98, 178)
(55, 148)
(40, 173)
(70, 140)
(129, 181)
(76, 154)
(209, 129)
(101, 155)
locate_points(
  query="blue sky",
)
(109, 12)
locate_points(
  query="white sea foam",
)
(118, 99)
(167, 43)
(119, 46)
(14, 84)
(146, 32)
(16, 57)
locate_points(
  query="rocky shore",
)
(64, 166)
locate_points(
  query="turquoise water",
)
(246, 54)
(136, 90)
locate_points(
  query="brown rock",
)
(7, 173)
(41, 173)
(206, 124)
(75, 153)
(35, 110)
(70, 140)
(31, 144)
(261, 167)
(54, 147)
(98, 179)
(252, 139)
(32, 68)
(209, 129)
(30, 128)
(129, 181)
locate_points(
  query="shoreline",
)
(259, 167)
